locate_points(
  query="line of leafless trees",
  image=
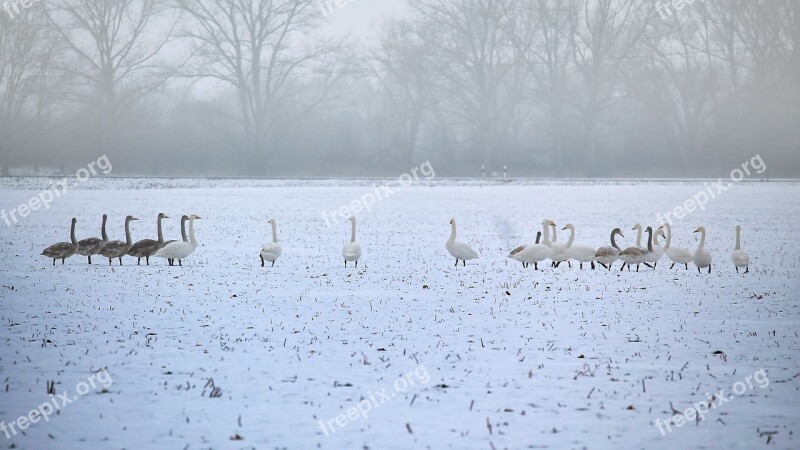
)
(551, 88)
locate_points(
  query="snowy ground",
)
(499, 356)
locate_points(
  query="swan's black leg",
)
(62, 261)
(180, 262)
(345, 263)
(698, 270)
(54, 262)
(648, 265)
(147, 258)
(709, 268)
(747, 270)
(673, 265)
(273, 263)
(456, 262)
(637, 267)
(536, 266)
(686, 266)
(569, 264)
(623, 267)
(737, 269)
(90, 260)
(356, 263)
(655, 265)
(120, 260)
(138, 261)
(109, 261)
(593, 266)
(464, 263)
(262, 261)
(581, 265)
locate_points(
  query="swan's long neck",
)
(650, 240)
(639, 236)
(128, 233)
(669, 236)
(738, 240)
(614, 241)
(192, 240)
(538, 237)
(452, 232)
(571, 237)
(275, 233)
(353, 232)
(103, 229)
(160, 234)
(655, 240)
(546, 233)
(183, 229)
(702, 239)
(72, 234)
(555, 233)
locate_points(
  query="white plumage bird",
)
(459, 250)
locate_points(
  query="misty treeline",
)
(549, 88)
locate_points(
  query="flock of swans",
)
(543, 249)
(637, 255)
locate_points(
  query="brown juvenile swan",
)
(92, 246)
(63, 250)
(118, 249)
(148, 247)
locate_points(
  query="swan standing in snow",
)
(148, 247)
(607, 255)
(352, 250)
(536, 253)
(180, 250)
(558, 250)
(578, 252)
(459, 250)
(272, 251)
(63, 250)
(184, 238)
(92, 246)
(118, 249)
(678, 255)
(739, 256)
(702, 257)
(634, 255)
(522, 247)
(657, 252)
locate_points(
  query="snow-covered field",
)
(496, 356)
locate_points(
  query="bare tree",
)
(26, 52)
(113, 50)
(260, 47)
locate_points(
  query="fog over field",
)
(324, 88)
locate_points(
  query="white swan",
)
(522, 247)
(180, 250)
(634, 255)
(459, 250)
(352, 250)
(702, 257)
(739, 256)
(655, 255)
(607, 255)
(63, 250)
(579, 252)
(184, 237)
(91, 246)
(536, 253)
(678, 255)
(558, 250)
(271, 251)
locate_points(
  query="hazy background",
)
(257, 88)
